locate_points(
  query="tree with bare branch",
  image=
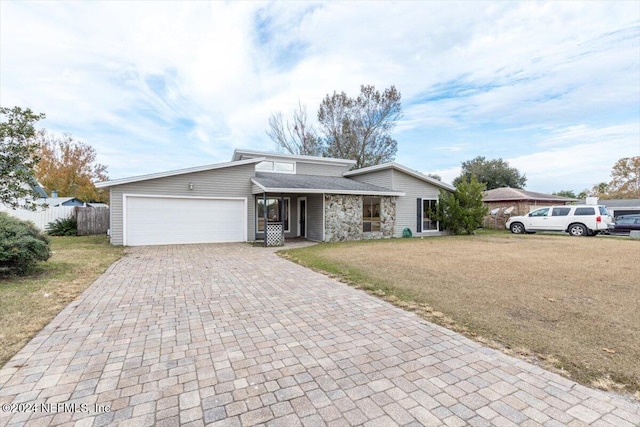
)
(296, 136)
(359, 128)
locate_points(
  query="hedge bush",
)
(63, 227)
(22, 245)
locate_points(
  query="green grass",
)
(28, 303)
(569, 304)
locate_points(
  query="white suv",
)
(577, 220)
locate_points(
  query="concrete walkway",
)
(233, 335)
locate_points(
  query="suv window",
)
(540, 212)
(560, 211)
(603, 210)
(585, 211)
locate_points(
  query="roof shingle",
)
(282, 182)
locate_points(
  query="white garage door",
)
(167, 220)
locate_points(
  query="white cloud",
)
(180, 82)
(586, 161)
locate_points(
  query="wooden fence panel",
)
(92, 221)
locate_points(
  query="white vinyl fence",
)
(40, 217)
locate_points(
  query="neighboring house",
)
(316, 198)
(48, 209)
(505, 202)
(61, 201)
(617, 207)
(55, 201)
(39, 190)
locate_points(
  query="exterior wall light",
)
(191, 186)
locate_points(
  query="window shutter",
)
(419, 221)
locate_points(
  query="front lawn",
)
(570, 304)
(28, 303)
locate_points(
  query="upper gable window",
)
(264, 166)
(276, 166)
(284, 167)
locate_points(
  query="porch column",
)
(281, 209)
(264, 216)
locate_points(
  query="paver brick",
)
(231, 335)
(257, 416)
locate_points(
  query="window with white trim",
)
(429, 206)
(370, 214)
(276, 166)
(265, 166)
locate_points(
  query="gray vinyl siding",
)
(232, 181)
(406, 207)
(382, 178)
(315, 217)
(303, 168)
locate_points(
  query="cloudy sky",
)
(553, 88)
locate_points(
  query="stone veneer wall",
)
(343, 218)
(387, 218)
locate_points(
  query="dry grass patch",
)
(568, 303)
(28, 303)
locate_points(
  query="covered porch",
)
(293, 215)
(318, 208)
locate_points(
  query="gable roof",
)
(241, 154)
(288, 183)
(106, 184)
(399, 167)
(513, 194)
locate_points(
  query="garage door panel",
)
(165, 220)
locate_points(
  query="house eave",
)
(238, 153)
(264, 189)
(129, 180)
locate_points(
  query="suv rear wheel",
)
(577, 230)
(517, 228)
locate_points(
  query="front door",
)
(302, 217)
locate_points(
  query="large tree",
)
(625, 179)
(18, 157)
(494, 173)
(359, 128)
(297, 136)
(69, 167)
(601, 191)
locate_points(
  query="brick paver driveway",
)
(233, 335)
